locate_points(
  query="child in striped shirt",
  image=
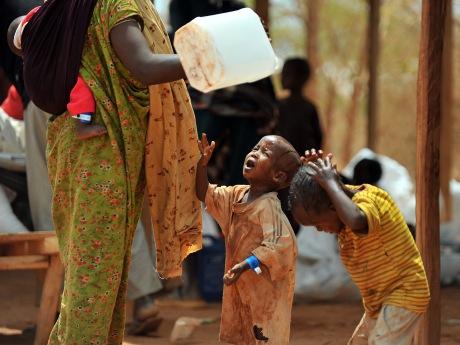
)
(375, 244)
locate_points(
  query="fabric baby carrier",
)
(52, 46)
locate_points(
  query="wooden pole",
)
(373, 53)
(311, 22)
(427, 172)
(447, 125)
(262, 9)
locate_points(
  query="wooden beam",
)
(427, 172)
(40, 242)
(24, 262)
(447, 120)
(373, 54)
(26, 236)
(263, 10)
(311, 22)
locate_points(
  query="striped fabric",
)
(385, 264)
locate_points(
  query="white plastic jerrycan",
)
(225, 49)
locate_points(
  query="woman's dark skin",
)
(148, 68)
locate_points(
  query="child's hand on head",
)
(233, 274)
(325, 172)
(313, 155)
(206, 149)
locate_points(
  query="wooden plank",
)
(49, 301)
(44, 246)
(447, 118)
(29, 262)
(14, 249)
(427, 172)
(263, 10)
(49, 246)
(23, 237)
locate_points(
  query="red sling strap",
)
(52, 46)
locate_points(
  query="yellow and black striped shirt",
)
(385, 264)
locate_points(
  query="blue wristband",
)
(254, 263)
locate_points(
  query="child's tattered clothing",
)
(255, 302)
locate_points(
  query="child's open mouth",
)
(250, 164)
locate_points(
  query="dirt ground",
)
(312, 324)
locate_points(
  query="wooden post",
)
(262, 9)
(427, 172)
(373, 53)
(447, 124)
(311, 22)
(49, 302)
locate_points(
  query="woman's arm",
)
(133, 50)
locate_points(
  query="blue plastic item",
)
(211, 260)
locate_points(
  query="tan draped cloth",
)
(171, 156)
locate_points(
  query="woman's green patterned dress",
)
(98, 187)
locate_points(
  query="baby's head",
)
(310, 204)
(10, 35)
(272, 163)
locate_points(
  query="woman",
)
(98, 183)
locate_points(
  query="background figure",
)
(37, 189)
(367, 170)
(38, 185)
(298, 119)
(13, 185)
(236, 117)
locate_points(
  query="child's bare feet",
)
(89, 130)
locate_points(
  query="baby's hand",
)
(206, 149)
(233, 274)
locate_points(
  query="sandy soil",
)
(312, 324)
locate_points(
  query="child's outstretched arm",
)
(327, 176)
(202, 181)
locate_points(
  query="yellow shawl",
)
(171, 157)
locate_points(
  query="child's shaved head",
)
(306, 192)
(288, 160)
